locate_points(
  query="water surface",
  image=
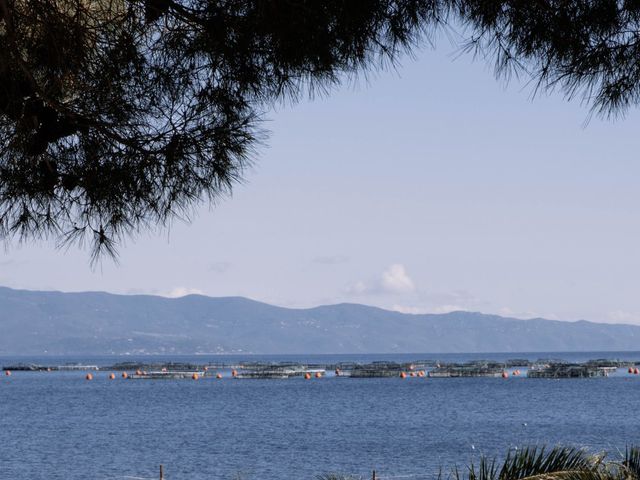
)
(59, 426)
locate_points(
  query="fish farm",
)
(569, 370)
(541, 368)
(470, 369)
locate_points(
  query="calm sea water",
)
(59, 426)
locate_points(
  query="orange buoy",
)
(89, 377)
(421, 373)
(7, 373)
(138, 372)
(318, 374)
(636, 371)
(505, 375)
(125, 375)
(412, 374)
(403, 375)
(195, 376)
(307, 376)
(112, 376)
(218, 375)
(234, 373)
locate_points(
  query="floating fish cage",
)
(166, 375)
(28, 367)
(605, 363)
(343, 369)
(424, 364)
(568, 370)
(373, 370)
(263, 375)
(77, 366)
(278, 370)
(471, 369)
(517, 362)
(169, 366)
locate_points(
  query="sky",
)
(431, 188)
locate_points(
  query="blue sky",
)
(429, 189)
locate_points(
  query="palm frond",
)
(631, 463)
(487, 470)
(336, 476)
(539, 463)
(559, 462)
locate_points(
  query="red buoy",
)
(307, 376)
(630, 370)
(234, 373)
(7, 373)
(318, 374)
(636, 371)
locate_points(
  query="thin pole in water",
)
(161, 473)
(373, 477)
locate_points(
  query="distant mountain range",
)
(36, 323)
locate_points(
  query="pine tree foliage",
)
(117, 115)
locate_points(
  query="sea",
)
(57, 425)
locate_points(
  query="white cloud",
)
(357, 288)
(447, 309)
(526, 315)
(409, 309)
(393, 280)
(182, 291)
(396, 280)
(620, 316)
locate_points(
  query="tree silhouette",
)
(116, 115)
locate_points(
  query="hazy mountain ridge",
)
(34, 323)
